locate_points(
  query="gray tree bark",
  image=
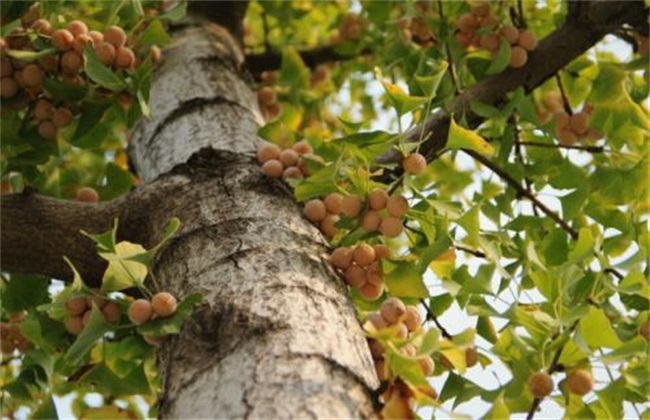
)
(278, 337)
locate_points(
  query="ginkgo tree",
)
(324, 209)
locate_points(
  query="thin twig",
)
(450, 60)
(590, 149)
(565, 99)
(432, 317)
(479, 254)
(523, 192)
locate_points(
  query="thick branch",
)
(271, 60)
(38, 231)
(579, 33)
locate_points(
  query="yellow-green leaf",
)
(462, 138)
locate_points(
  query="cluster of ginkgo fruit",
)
(361, 267)
(349, 29)
(11, 338)
(402, 320)
(571, 128)
(480, 28)
(24, 77)
(268, 102)
(290, 163)
(140, 311)
(579, 381)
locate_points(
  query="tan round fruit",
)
(351, 205)
(111, 312)
(471, 357)
(364, 254)
(155, 53)
(376, 320)
(315, 210)
(288, 157)
(163, 304)
(115, 36)
(540, 384)
(74, 325)
(355, 276)
(392, 310)
(6, 68)
(381, 251)
(467, 22)
(76, 305)
(154, 341)
(371, 292)
(412, 318)
(527, 40)
(377, 199)
(80, 42)
(565, 135)
(266, 96)
(409, 349)
(8, 87)
(292, 172)
(510, 34)
(62, 39)
(105, 53)
(342, 257)
(267, 151)
(140, 311)
(490, 42)
(401, 332)
(32, 75)
(580, 382)
(124, 58)
(464, 39)
(481, 9)
(371, 221)
(72, 62)
(333, 203)
(96, 36)
(328, 225)
(518, 57)
(273, 111)
(376, 348)
(43, 109)
(373, 274)
(302, 147)
(644, 330)
(579, 123)
(273, 168)
(391, 227)
(397, 206)
(47, 130)
(87, 195)
(414, 164)
(42, 26)
(427, 365)
(77, 27)
(62, 117)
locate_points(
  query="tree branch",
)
(522, 191)
(587, 23)
(38, 231)
(271, 60)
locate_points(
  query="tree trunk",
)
(278, 337)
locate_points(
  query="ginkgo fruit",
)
(111, 312)
(62, 39)
(273, 168)
(644, 330)
(377, 320)
(364, 254)
(153, 340)
(401, 332)
(392, 310)
(351, 205)
(540, 384)
(163, 304)
(414, 164)
(115, 36)
(266, 96)
(302, 148)
(426, 365)
(77, 27)
(292, 172)
(355, 276)
(381, 251)
(412, 318)
(333, 203)
(371, 292)
(47, 129)
(580, 382)
(62, 117)
(140, 311)
(409, 349)
(342, 257)
(32, 75)
(527, 40)
(373, 274)
(397, 206)
(328, 225)
(74, 324)
(315, 210)
(371, 221)
(76, 305)
(579, 123)
(124, 58)
(105, 53)
(391, 227)
(288, 157)
(510, 34)
(87, 195)
(518, 57)
(377, 199)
